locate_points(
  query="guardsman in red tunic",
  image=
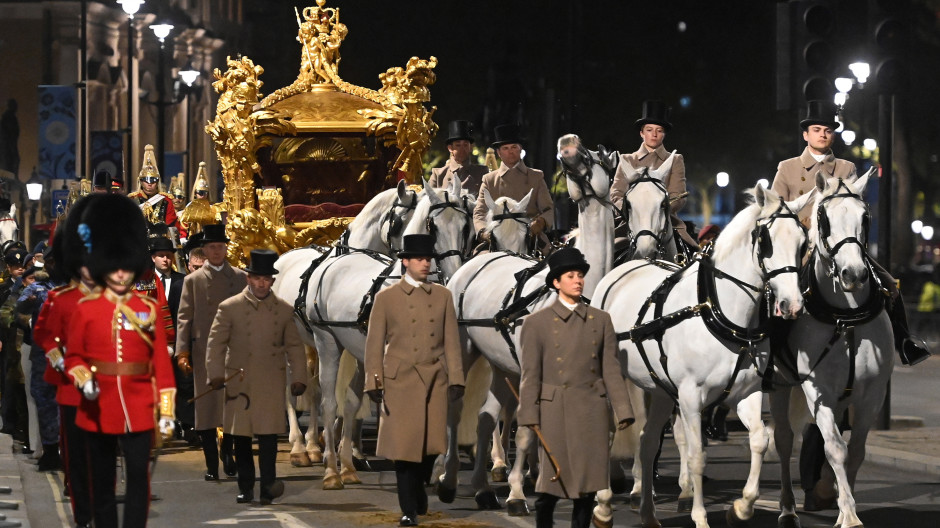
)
(51, 334)
(117, 358)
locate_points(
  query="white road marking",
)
(57, 497)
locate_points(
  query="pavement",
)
(912, 445)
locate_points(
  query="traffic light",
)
(806, 56)
(889, 28)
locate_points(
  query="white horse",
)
(704, 316)
(335, 299)
(490, 299)
(646, 208)
(843, 347)
(9, 229)
(378, 227)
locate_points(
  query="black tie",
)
(166, 294)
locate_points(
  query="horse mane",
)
(373, 211)
(738, 231)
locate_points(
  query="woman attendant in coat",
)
(569, 373)
(253, 341)
(117, 358)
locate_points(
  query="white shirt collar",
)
(216, 268)
(818, 157)
(411, 280)
(570, 306)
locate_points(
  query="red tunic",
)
(52, 323)
(102, 334)
(148, 285)
(167, 210)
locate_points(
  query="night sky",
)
(499, 61)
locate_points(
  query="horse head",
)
(507, 222)
(393, 223)
(840, 228)
(441, 214)
(588, 173)
(779, 243)
(646, 211)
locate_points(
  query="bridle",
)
(823, 226)
(666, 234)
(760, 237)
(396, 223)
(580, 174)
(520, 217)
(466, 245)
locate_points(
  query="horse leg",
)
(686, 486)
(690, 409)
(329, 368)
(311, 443)
(525, 442)
(749, 411)
(486, 422)
(347, 445)
(660, 412)
(500, 442)
(836, 454)
(298, 456)
(634, 434)
(447, 481)
(783, 439)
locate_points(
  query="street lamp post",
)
(162, 31)
(189, 75)
(34, 193)
(130, 7)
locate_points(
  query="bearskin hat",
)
(114, 234)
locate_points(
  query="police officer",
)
(569, 373)
(203, 292)
(460, 163)
(254, 336)
(412, 356)
(117, 359)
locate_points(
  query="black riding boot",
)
(545, 510)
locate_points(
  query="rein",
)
(463, 252)
(667, 232)
(395, 222)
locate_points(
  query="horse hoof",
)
(731, 517)
(499, 474)
(350, 477)
(635, 500)
(618, 486)
(445, 494)
(486, 500)
(300, 460)
(333, 482)
(602, 524)
(684, 505)
(517, 507)
(788, 521)
(316, 457)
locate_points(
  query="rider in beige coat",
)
(413, 355)
(570, 372)
(203, 291)
(460, 163)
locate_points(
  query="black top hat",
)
(563, 260)
(214, 233)
(506, 134)
(161, 243)
(820, 113)
(655, 113)
(193, 242)
(102, 179)
(459, 130)
(417, 246)
(262, 262)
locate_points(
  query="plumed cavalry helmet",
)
(178, 186)
(149, 168)
(114, 236)
(201, 183)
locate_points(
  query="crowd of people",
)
(123, 340)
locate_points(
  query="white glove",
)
(169, 350)
(167, 427)
(90, 390)
(59, 364)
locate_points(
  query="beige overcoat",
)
(515, 183)
(259, 336)
(796, 176)
(569, 373)
(203, 291)
(413, 353)
(471, 176)
(675, 182)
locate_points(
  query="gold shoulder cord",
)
(141, 326)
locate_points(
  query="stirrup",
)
(913, 350)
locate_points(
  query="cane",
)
(538, 433)
(239, 372)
